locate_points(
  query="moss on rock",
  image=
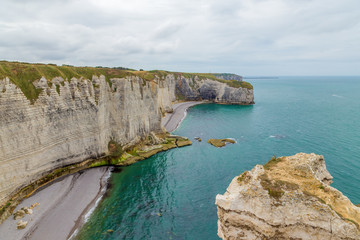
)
(220, 142)
(116, 157)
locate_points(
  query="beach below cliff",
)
(172, 120)
(60, 207)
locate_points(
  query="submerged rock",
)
(220, 142)
(287, 198)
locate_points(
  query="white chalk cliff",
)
(74, 120)
(288, 198)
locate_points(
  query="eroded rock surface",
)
(287, 198)
(75, 120)
(206, 89)
(21, 224)
(220, 142)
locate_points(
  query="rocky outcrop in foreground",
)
(287, 198)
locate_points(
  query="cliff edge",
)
(53, 116)
(287, 198)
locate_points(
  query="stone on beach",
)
(28, 210)
(19, 214)
(21, 224)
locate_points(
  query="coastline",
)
(86, 213)
(172, 121)
(62, 205)
(73, 197)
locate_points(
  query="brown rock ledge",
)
(220, 142)
(287, 198)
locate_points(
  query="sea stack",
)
(287, 198)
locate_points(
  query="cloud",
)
(249, 37)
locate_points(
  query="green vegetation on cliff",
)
(24, 74)
(115, 157)
(231, 83)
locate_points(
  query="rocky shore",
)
(172, 119)
(287, 198)
(59, 208)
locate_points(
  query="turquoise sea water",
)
(171, 195)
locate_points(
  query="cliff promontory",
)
(54, 116)
(287, 198)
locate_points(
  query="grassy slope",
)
(23, 74)
(284, 173)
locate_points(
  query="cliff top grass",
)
(212, 76)
(24, 74)
(294, 172)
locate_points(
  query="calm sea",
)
(172, 195)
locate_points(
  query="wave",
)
(277, 136)
(91, 210)
(338, 96)
(104, 180)
(232, 139)
(73, 235)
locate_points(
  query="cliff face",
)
(228, 76)
(75, 125)
(75, 120)
(207, 89)
(288, 198)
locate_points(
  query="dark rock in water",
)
(198, 139)
(220, 142)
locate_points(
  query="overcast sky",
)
(247, 37)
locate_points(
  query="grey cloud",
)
(250, 37)
(167, 30)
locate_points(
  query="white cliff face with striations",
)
(77, 124)
(288, 198)
(74, 120)
(207, 89)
